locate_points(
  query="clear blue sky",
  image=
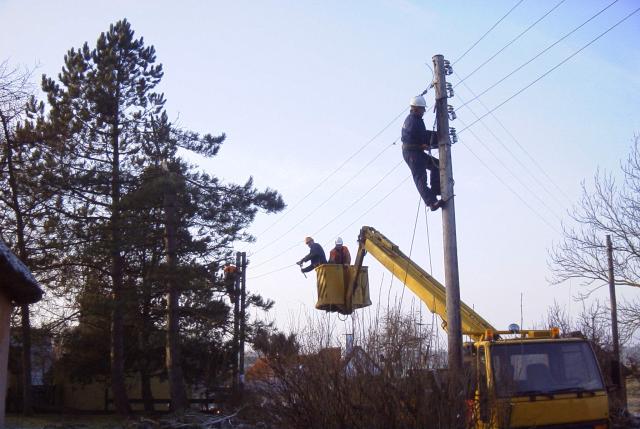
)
(300, 86)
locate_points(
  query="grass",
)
(62, 420)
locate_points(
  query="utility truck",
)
(522, 378)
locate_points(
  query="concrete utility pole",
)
(451, 276)
(616, 369)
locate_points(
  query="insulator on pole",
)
(450, 92)
(452, 113)
(448, 70)
(453, 135)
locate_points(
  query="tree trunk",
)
(118, 388)
(27, 403)
(145, 373)
(173, 362)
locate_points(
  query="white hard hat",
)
(339, 241)
(418, 101)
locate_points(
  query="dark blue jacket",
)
(316, 256)
(414, 133)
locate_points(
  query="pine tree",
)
(140, 224)
(98, 108)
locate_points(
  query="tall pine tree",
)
(102, 101)
(138, 221)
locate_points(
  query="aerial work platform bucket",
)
(333, 280)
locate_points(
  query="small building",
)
(17, 287)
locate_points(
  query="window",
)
(544, 367)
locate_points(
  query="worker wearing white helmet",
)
(415, 140)
(340, 254)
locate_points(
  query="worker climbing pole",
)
(442, 68)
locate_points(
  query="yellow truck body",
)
(523, 378)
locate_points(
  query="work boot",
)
(436, 205)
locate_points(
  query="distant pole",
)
(243, 309)
(451, 276)
(236, 329)
(616, 369)
(521, 313)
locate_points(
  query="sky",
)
(312, 96)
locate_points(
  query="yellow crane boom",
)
(427, 288)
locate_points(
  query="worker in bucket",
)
(415, 140)
(316, 256)
(340, 254)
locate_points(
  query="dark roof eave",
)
(16, 281)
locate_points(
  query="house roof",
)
(16, 281)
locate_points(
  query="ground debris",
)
(65, 426)
(192, 420)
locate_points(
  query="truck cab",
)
(541, 382)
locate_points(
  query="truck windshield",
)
(544, 368)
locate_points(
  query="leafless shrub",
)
(607, 207)
(386, 380)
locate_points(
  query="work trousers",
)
(419, 162)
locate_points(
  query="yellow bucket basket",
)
(332, 282)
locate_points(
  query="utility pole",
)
(451, 276)
(179, 400)
(243, 308)
(236, 329)
(616, 370)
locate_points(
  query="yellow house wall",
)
(91, 397)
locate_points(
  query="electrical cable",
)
(271, 272)
(339, 214)
(506, 167)
(376, 204)
(539, 54)
(413, 237)
(338, 169)
(488, 31)
(334, 172)
(552, 69)
(511, 189)
(394, 168)
(510, 42)
(315, 209)
(426, 221)
(531, 158)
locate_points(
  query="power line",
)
(488, 31)
(552, 69)
(315, 209)
(515, 176)
(511, 42)
(535, 162)
(511, 189)
(513, 155)
(366, 212)
(539, 54)
(333, 172)
(337, 216)
(395, 167)
(523, 184)
(376, 204)
(271, 272)
(531, 158)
